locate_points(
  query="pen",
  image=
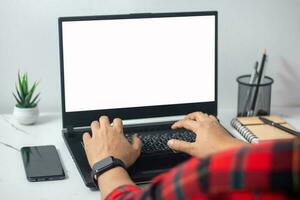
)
(254, 74)
(261, 70)
(279, 126)
(250, 92)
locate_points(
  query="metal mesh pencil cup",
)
(254, 99)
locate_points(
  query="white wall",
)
(29, 42)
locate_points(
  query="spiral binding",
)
(244, 131)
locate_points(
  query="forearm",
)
(226, 142)
(112, 179)
(231, 142)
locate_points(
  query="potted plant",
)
(26, 109)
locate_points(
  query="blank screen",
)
(124, 63)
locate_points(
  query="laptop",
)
(147, 69)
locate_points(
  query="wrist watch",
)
(104, 165)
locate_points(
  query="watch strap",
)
(104, 165)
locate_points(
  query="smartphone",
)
(42, 163)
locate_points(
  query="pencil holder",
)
(254, 99)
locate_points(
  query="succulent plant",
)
(24, 93)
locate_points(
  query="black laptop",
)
(147, 69)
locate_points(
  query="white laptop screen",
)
(125, 63)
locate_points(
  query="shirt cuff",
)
(122, 190)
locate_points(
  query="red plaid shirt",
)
(264, 171)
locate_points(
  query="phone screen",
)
(42, 163)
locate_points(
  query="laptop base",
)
(141, 172)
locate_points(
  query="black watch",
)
(104, 165)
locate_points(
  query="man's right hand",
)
(211, 137)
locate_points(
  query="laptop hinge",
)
(69, 129)
(72, 130)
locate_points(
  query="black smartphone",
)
(42, 163)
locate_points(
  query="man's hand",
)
(107, 140)
(211, 137)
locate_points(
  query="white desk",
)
(13, 183)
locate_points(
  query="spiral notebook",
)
(254, 130)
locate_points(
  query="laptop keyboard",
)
(156, 141)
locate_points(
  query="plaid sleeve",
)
(264, 171)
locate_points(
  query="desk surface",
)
(13, 182)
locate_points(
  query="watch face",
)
(103, 163)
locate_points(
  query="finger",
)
(104, 121)
(179, 145)
(213, 118)
(94, 126)
(136, 143)
(86, 137)
(118, 125)
(197, 116)
(187, 124)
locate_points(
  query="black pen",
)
(279, 126)
(260, 76)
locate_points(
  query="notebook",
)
(254, 130)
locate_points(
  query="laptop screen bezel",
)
(84, 118)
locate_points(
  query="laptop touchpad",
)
(155, 162)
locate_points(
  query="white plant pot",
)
(26, 116)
